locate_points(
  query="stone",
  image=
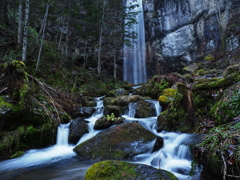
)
(123, 141)
(113, 169)
(104, 122)
(86, 111)
(78, 127)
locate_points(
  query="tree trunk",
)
(3, 12)
(61, 33)
(20, 22)
(67, 35)
(43, 34)
(25, 33)
(100, 41)
(115, 65)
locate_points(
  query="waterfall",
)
(175, 156)
(135, 55)
(62, 134)
(36, 157)
(91, 121)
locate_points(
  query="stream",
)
(59, 162)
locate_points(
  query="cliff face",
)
(182, 31)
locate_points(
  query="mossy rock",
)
(154, 86)
(117, 92)
(120, 170)
(167, 96)
(209, 58)
(109, 109)
(191, 68)
(145, 109)
(228, 106)
(78, 127)
(121, 100)
(107, 121)
(178, 114)
(123, 141)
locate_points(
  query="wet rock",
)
(112, 109)
(107, 121)
(121, 100)
(78, 127)
(158, 144)
(145, 109)
(86, 111)
(117, 92)
(120, 142)
(125, 170)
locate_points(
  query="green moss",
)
(213, 83)
(17, 154)
(167, 96)
(108, 170)
(120, 170)
(201, 72)
(154, 87)
(209, 58)
(4, 106)
(228, 107)
(221, 142)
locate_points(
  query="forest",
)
(59, 58)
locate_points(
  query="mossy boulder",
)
(107, 121)
(154, 87)
(145, 109)
(117, 92)
(78, 127)
(191, 68)
(178, 115)
(121, 100)
(120, 142)
(167, 96)
(120, 170)
(228, 106)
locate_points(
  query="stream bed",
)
(60, 162)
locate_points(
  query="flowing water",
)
(135, 55)
(59, 162)
(175, 156)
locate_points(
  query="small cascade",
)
(37, 157)
(175, 156)
(131, 110)
(62, 134)
(135, 55)
(91, 121)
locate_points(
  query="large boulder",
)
(108, 170)
(77, 129)
(120, 142)
(121, 100)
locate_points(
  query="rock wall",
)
(182, 31)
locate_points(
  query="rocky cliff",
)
(182, 31)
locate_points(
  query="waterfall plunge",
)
(135, 55)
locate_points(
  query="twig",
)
(232, 176)
(225, 168)
(4, 89)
